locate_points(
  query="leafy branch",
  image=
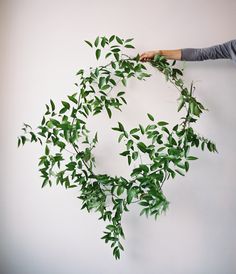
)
(167, 149)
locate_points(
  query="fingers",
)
(144, 57)
(147, 56)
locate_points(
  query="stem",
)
(111, 193)
(163, 180)
(88, 168)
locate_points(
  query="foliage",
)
(168, 148)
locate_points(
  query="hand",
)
(148, 55)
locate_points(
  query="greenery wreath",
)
(167, 148)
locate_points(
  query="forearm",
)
(171, 54)
(225, 50)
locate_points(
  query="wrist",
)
(159, 52)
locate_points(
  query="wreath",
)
(167, 148)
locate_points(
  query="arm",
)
(226, 50)
(168, 54)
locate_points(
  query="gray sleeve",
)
(226, 50)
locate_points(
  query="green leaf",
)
(121, 127)
(111, 38)
(126, 134)
(209, 146)
(162, 123)
(117, 56)
(180, 172)
(123, 99)
(131, 195)
(142, 146)
(119, 40)
(129, 40)
(196, 110)
(101, 82)
(116, 128)
(63, 110)
(103, 43)
(192, 158)
(175, 128)
(124, 82)
(89, 43)
(96, 42)
(142, 211)
(49, 124)
(120, 246)
(71, 166)
(124, 153)
(181, 103)
(115, 50)
(154, 166)
(177, 71)
(55, 122)
(65, 104)
(136, 137)
(120, 137)
(203, 145)
(110, 227)
(134, 130)
(108, 54)
(45, 182)
(181, 165)
(129, 144)
(108, 111)
(47, 150)
(72, 98)
(142, 129)
(18, 143)
(61, 145)
(150, 117)
(113, 64)
(161, 149)
(135, 155)
(186, 164)
(120, 93)
(43, 121)
(98, 53)
(116, 253)
(23, 139)
(129, 46)
(120, 190)
(52, 105)
(105, 87)
(113, 82)
(129, 160)
(143, 203)
(144, 168)
(81, 71)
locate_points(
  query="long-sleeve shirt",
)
(226, 50)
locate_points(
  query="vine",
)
(167, 149)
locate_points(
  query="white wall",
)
(43, 231)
